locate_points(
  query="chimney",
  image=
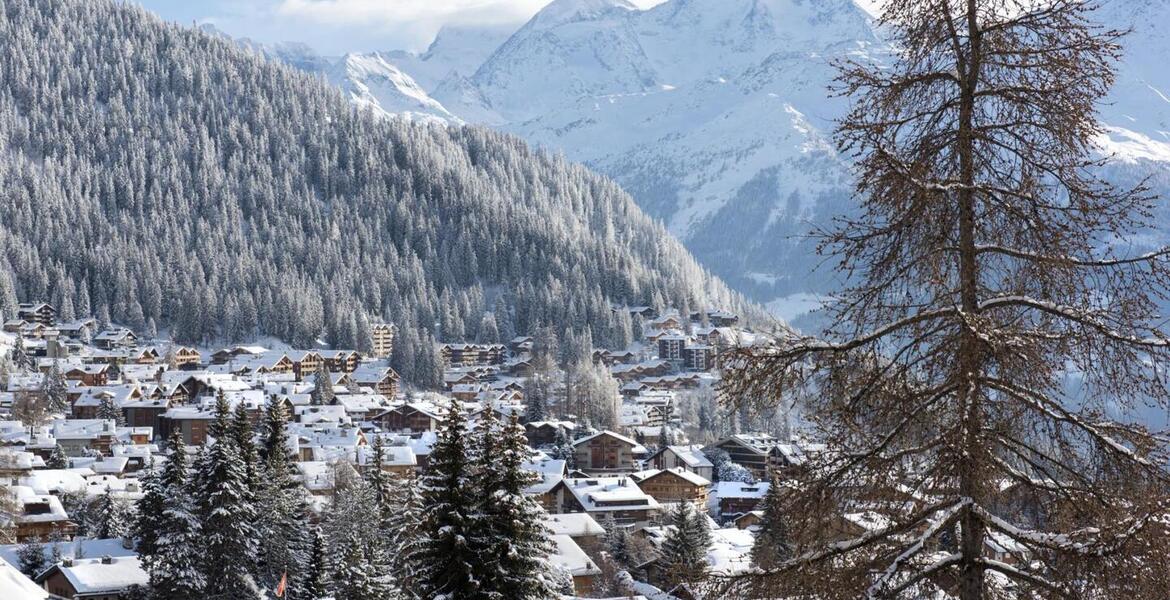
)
(107, 560)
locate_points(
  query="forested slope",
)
(150, 172)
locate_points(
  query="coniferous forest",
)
(156, 176)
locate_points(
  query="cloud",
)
(397, 12)
(339, 26)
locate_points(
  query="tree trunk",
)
(968, 356)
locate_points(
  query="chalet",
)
(749, 519)
(147, 412)
(103, 578)
(15, 464)
(606, 452)
(90, 400)
(786, 460)
(521, 344)
(583, 528)
(750, 450)
(467, 355)
(520, 367)
(192, 422)
(36, 312)
(383, 380)
(605, 497)
(570, 558)
(304, 362)
(466, 392)
(90, 374)
(737, 498)
(39, 516)
(185, 357)
(669, 320)
(383, 337)
(78, 329)
(546, 433)
(115, 338)
(362, 407)
(672, 486)
(690, 458)
(341, 361)
(412, 417)
(722, 318)
(226, 355)
(452, 379)
(264, 363)
(398, 460)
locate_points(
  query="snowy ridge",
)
(375, 84)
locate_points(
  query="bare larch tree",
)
(980, 390)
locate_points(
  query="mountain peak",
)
(560, 12)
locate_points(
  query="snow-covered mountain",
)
(711, 113)
(374, 83)
(715, 114)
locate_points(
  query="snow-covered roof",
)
(738, 489)
(570, 557)
(13, 584)
(574, 525)
(688, 476)
(105, 574)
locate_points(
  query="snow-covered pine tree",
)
(683, 557)
(404, 529)
(359, 573)
(519, 544)
(144, 530)
(58, 459)
(316, 578)
(111, 517)
(285, 534)
(244, 437)
(353, 531)
(381, 482)
(322, 393)
(107, 409)
(175, 561)
(617, 542)
(56, 389)
(31, 557)
(228, 520)
(445, 561)
(773, 545)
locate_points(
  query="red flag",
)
(283, 583)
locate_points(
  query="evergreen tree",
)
(32, 559)
(773, 545)
(227, 517)
(111, 517)
(58, 459)
(174, 560)
(405, 532)
(684, 551)
(285, 536)
(56, 389)
(381, 482)
(617, 543)
(519, 544)
(145, 527)
(107, 409)
(445, 559)
(316, 569)
(322, 393)
(358, 574)
(21, 357)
